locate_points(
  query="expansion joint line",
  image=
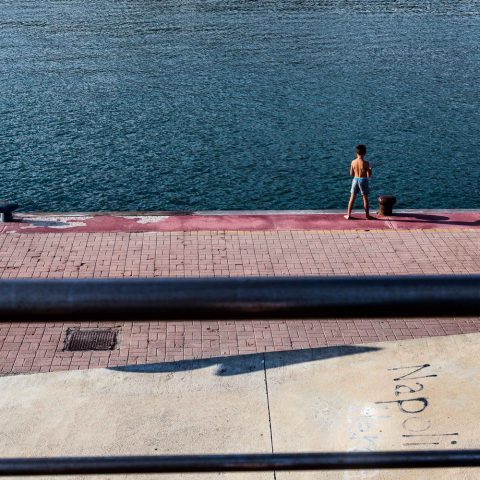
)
(268, 408)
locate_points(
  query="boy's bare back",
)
(360, 168)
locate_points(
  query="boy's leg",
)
(366, 206)
(350, 205)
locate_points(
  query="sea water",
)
(237, 104)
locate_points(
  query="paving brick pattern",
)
(38, 347)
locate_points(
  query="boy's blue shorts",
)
(360, 185)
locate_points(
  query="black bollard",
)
(386, 203)
(6, 211)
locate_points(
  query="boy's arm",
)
(369, 170)
(352, 173)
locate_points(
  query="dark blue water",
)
(202, 104)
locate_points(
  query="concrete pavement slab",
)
(407, 395)
(194, 408)
(417, 394)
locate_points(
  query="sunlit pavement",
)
(406, 395)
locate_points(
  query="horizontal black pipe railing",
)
(259, 297)
(238, 462)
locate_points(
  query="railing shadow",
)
(241, 364)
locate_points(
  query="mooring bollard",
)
(6, 211)
(386, 203)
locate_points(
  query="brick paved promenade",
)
(445, 248)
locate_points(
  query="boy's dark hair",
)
(361, 150)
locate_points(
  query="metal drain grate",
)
(80, 340)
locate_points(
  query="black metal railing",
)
(249, 298)
(239, 462)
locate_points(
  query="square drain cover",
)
(79, 340)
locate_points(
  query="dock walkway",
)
(228, 244)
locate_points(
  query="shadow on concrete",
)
(240, 364)
(428, 218)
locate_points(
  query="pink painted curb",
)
(284, 221)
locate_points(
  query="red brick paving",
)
(196, 254)
(38, 347)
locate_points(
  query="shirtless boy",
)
(361, 170)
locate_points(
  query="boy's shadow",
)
(429, 218)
